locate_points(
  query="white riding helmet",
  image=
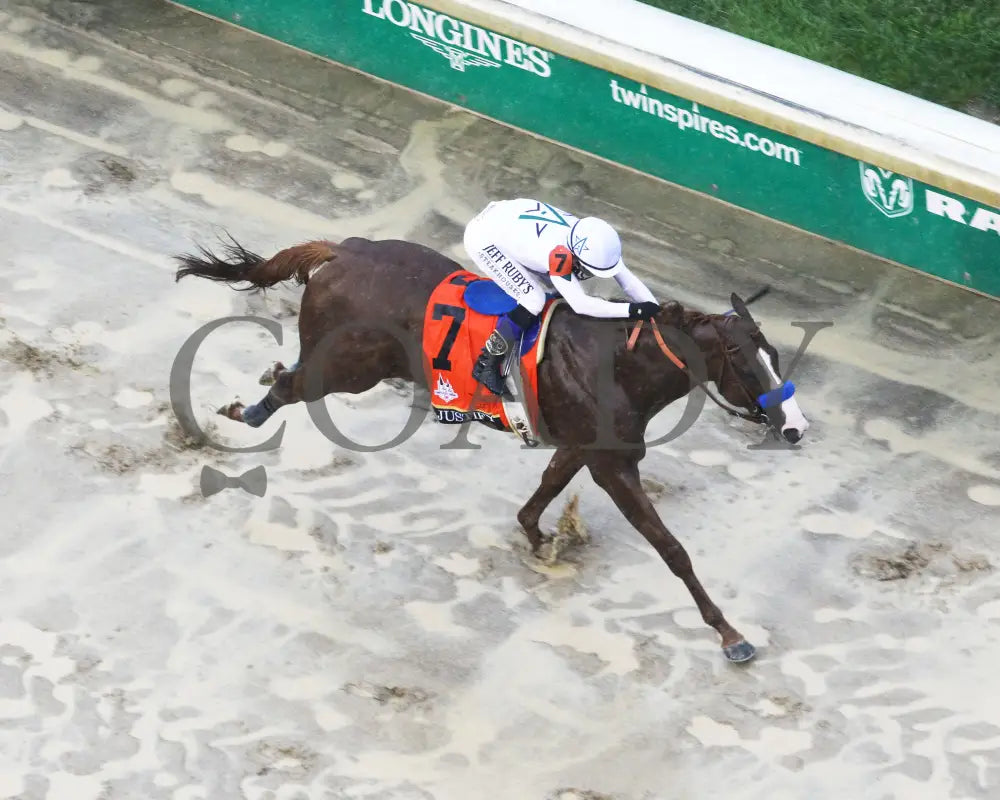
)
(596, 246)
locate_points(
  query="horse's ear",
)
(741, 308)
(672, 313)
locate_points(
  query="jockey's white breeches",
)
(517, 281)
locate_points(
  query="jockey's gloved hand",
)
(643, 310)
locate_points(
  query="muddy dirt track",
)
(373, 627)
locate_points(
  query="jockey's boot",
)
(487, 369)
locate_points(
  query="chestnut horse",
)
(380, 290)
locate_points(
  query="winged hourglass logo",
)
(459, 59)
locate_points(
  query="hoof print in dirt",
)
(892, 566)
(40, 361)
(179, 439)
(579, 794)
(398, 697)
(103, 173)
(913, 560)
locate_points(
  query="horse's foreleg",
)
(619, 477)
(560, 471)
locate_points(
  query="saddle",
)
(462, 312)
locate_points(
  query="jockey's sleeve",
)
(583, 303)
(634, 288)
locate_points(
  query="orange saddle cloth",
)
(453, 336)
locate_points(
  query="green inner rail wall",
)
(925, 219)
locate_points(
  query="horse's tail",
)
(244, 266)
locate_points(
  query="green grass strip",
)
(945, 51)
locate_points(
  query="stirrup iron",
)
(496, 345)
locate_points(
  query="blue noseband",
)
(776, 397)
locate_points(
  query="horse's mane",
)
(693, 317)
(690, 318)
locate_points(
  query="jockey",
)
(528, 247)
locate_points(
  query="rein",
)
(630, 346)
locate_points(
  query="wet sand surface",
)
(374, 627)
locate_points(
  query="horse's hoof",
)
(232, 411)
(271, 375)
(740, 652)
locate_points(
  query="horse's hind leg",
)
(618, 475)
(359, 367)
(286, 388)
(271, 373)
